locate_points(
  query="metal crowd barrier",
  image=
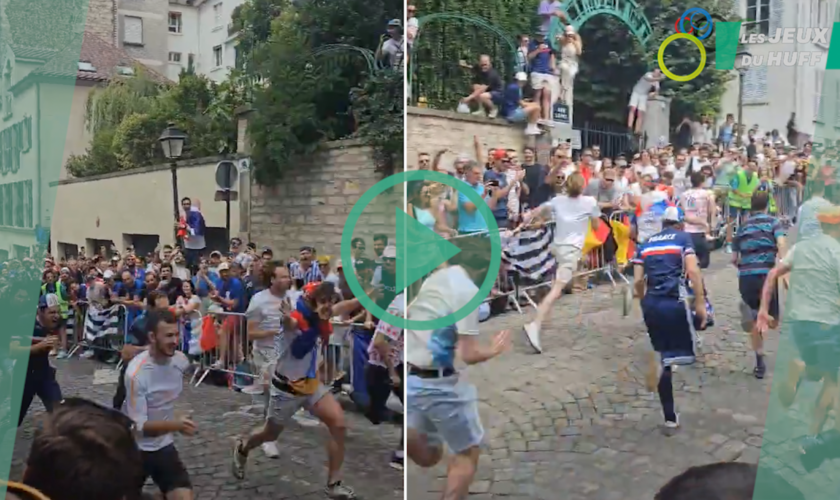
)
(787, 200)
(100, 319)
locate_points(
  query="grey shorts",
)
(445, 410)
(283, 405)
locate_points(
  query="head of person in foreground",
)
(84, 451)
(726, 481)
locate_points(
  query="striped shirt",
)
(309, 275)
(756, 244)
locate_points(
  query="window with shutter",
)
(758, 15)
(8, 216)
(755, 85)
(18, 201)
(133, 30)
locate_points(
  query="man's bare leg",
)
(459, 476)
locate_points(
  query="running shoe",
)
(727, 248)
(270, 449)
(397, 461)
(493, 113)
(759, 371)
(239, 460)
(671, 427)
(338, 491)
(62, 354)
(303, 418)
(532, 332)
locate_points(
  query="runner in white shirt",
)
(384, 374)
(573, 216)
(698, 208)
(639, 97)
(441, 407)
(154, 381)
(265, 327)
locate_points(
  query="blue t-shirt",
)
(541, 63)
(663, 256)
(232, 289)
(756, 244)
(512, 98)
(470, 222)
(201, 288)
(501, 211)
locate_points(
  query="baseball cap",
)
(235, 242)
(390, 252)
(673, 214)
(521, 76)
(48, 300)
(499, 154)
(338, 264)
(224, 266)
(394, 22)
(108, 274)
(324, 259)
(65, 270)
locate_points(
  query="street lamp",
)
(742, 58)
(172, 143)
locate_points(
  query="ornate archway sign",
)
(580, 11)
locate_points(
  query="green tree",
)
(303, 95)
(613, 61)
(46, 24)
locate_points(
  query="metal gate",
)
(612, 139)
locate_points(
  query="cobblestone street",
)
(300, 471)
(576, 422)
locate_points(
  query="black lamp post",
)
(172, 142)
(740, 57)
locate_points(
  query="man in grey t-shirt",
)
(605, 191)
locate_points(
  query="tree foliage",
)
(612, 60)
(127, 116)
(46, 24)
(303, 98)
(444, 42)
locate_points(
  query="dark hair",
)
(380, 237)
(152, 297)
(166, 265)
(475, 253)
(725, 481)
(529, 148)
(269, 269)
(157, 316)
(325, 291)
(83, 452)
(356, 241)
(760, 200)
(186, 198)
(697, 179)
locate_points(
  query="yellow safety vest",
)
(742, 196)
(62, 303)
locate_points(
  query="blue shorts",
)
(497, 97)
(517, 116)
(737, 212)
(445, 410)
(670, 326)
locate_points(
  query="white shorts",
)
(567, 258)
(283, 405)
(638, 101)
(265, 360)
(541, 81)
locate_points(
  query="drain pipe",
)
(796, 93)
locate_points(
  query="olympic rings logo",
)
(695, 33)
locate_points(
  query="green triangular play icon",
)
(419, 250)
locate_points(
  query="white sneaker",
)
(532, 129)
(533, 335)
(493, 113)
(270, 449)
(88, 354)
(671, 427)
(303, 418)
(463, 108)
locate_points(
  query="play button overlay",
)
(419, 250)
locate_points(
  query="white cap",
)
(390, 252)
(224, 266)
(672, 214)
(522, 76)
(108, 274)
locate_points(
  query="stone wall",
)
(431, 130)
(310, 206)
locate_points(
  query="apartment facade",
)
(141, 31)
(199, 33)
(773, 93)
